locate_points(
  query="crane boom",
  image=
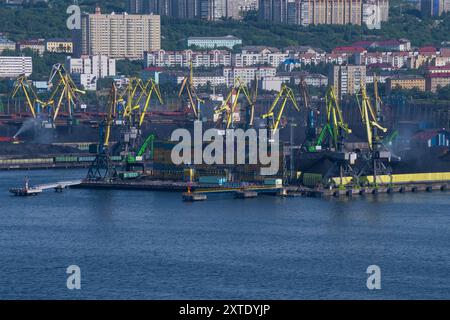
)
(286, 94)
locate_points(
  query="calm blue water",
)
(147, 245)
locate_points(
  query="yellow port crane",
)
(66, 88)
(371, 117)
(286, 94)
(112, 103)
(22, 84)
(130, 96)
(187, 86)
(227, 109)
(150, 88)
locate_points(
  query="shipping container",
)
(212, 180)
(129, 175)
(273, 182)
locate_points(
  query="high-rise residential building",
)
(347, 80)
(433, 8)
(274, 10)
(375, 12)
(190, 9)
(306, 12)
(333, 11)
(119, 35)
(160, 7)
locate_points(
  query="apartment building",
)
(36, 45)
(407, 82)
(437, 77)
(12, 67)
(347, 80)
(307, 12)
(59, 45)
(182, 59)
(88, 69)
(120, 36)
(257, 55)
(247, 74)
(6, 44)
(214, 42)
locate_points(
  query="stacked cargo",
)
(65, 159)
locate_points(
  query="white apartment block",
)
(120, 36)
(99, 65)
(13, 67)
(88, 69)
(263, 56)
(182, 59)
(211, 79)
(247, 74)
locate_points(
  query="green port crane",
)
(148, 144)
(335, 130)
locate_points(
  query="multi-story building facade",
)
(433, 8)
(88, 69)
(437, 77)
(214, 42)
(407, 82)
(59, 46)
(247, 74)
(119, 36)
(190, 9)
(182, 59)
(347, 80)
(258, 56)
(375, 12)
(6, 44)
(36, 45)
(307, 12)
(12, 67)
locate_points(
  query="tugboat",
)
(25, 191)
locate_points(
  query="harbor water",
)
(151, 245)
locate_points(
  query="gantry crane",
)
(102, 167)
(22, 84)
(335, 130)
(225, 112)
(286, 94)
(377, 157)
(65, 88)
(187, 86)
